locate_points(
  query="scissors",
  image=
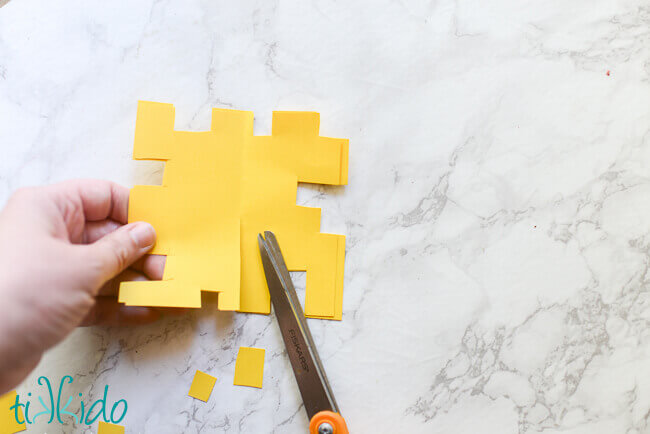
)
(315, 390)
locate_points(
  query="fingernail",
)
(143, 234)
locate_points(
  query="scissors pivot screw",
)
(325, 428)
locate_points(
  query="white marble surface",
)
(497, 212)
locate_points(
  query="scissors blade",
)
(307, 367)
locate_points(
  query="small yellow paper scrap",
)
(249, 368)
(8, 423)
(202, 386)
(109, 428)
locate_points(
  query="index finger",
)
(99, 199)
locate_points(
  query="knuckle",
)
(120, 254)
(113, 254)
(94, 267)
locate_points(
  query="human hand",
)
(64, 248)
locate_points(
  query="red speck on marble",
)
(608, 73)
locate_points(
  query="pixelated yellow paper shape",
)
(202, 386)
(220, 189)
(249, 367)
(109, 428)
(8, 424)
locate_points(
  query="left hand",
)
(64, 248)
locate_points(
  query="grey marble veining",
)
(497, 213)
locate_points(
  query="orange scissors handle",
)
(328, 422)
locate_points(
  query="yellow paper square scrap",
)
(109, 428)
(220, 189)
(249, 368)
(8, 423)
(202, 386)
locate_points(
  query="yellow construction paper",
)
(249, 368)
(220, 189)
(8, 424)
(202, 386)
(109, 428)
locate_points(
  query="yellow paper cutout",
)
(249, 368)
(220, 189)
(109, 428)
(202, 386)
(8, 424)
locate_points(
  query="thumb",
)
(117, 250)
